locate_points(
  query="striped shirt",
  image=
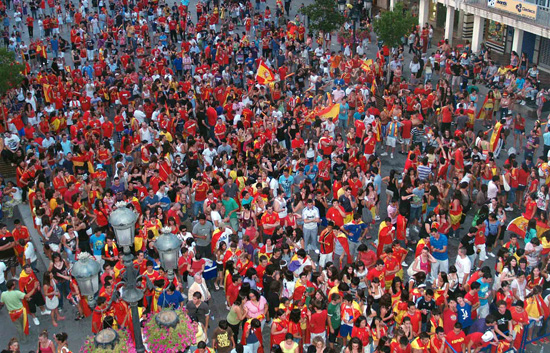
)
(424, 172)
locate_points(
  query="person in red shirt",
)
(446, 118)
(478, 340)
(415, 316)
(297, 142)
(336, 213)
(406, 135)
(472, 298)
(326, 244)
(270, 221)
(456, 338)
(437, 342)
(200, 188)
(450, 315)
(370, 144)
(232, 292)
(378, 271)
(317, 320)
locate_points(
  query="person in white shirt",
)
(209, 154)
(492, 188)
(463, 266)
(215, 216)
(311, 218)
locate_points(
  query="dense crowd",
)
(266, 152)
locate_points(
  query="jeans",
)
(197, 207)
(253, 347)
(343, 124)
(64, 290)
(439, 266)
(310, 238)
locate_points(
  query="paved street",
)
(78, 330)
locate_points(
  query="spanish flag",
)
(343, 240)
(519, 226)
(488, 106)
(536, 307)
(366, 64)
(264, 74)
(495, 137)
(330, 112)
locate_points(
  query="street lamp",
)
(168, 246)
(123, 221)
(86, 271)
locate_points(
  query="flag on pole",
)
(264, 74)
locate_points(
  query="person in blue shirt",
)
(286, 180)
(439, 243)
(343, 116)
(464, 311)
(484, 292)
(163, 38)
(170, 298)
(356, 231)
(178, 65)
(311, 171)
(97, 243)
(54, 43)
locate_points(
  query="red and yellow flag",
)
(330, 112)
(264, 74)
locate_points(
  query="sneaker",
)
(35, 320)
(46, 312)
(491, 254)
(384, 153)
(509, 209)
(391, 155)
(404, 264)
(377, 218)
(522, 102)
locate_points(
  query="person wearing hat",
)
(476, 341)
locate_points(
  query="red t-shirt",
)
(449, 320)
(456, 341)
(318, 322)
(406, 129)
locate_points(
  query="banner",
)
(518, 8)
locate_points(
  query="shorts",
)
(407, 141)
(519, 132)
(345, 331)
(416, 212)
(219, 267)
(333, 336)
(521, 187)
(390, 141)
(11, 262)
(481, 252)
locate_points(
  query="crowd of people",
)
(274, 158)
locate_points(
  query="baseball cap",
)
(487, 336)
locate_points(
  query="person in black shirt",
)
(405, 201)
(426, 304)
(468, 242)
(338, 168)
(504, 321)
(7, 249)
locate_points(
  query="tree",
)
(10, 77)
(392, 26)
(10, 71)
(324, 16)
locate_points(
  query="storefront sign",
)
(515, 7)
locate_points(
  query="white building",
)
(502, 25)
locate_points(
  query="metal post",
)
(132, 295)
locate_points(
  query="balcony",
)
(542, 16)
